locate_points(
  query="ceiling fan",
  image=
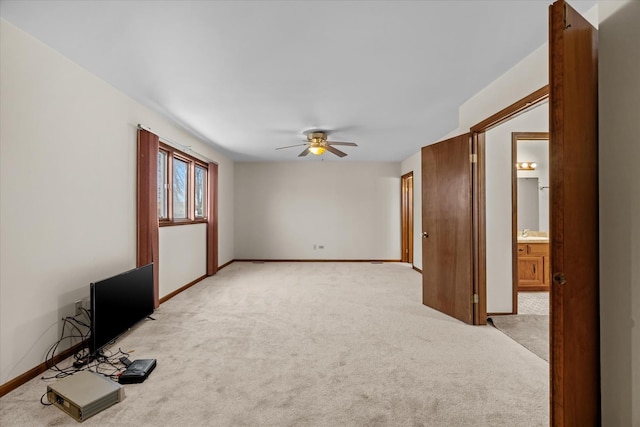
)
(317, 144)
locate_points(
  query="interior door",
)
(575, 348)
(447, 251)
(407, 217)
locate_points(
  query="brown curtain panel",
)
(212, 221)
(147, 205)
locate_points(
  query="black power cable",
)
(108, 364)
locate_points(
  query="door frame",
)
(515, 137)
(406, 213)
(479, 191)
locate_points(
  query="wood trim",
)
(212, 219)
(537, 136)
(184, 288)
(513, 110)
(406, 213)
(37, 370)
(479, 230)
(515, 136)
(416, 269)
(478, 130)
(147, 230)
(226, 264)
(179, 223)
(541, 288)
(318, 260)
(514, 224)
(172, 150)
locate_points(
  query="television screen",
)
(118, 303)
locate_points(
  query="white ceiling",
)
(250, 76)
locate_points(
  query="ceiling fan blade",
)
(304, 153)
(291, 146)
(335, 151)
(349, 144)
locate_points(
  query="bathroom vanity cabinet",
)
(533, 266)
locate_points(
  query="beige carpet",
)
(313, 344)
(530, 330)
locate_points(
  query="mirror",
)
(528, 204)
(532, 183)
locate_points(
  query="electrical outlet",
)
(78, 306)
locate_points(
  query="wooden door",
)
(447, 251)
(575, 348)
(407, 217)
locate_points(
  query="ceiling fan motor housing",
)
(317, 138)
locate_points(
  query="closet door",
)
(575, 347)
(447, 262)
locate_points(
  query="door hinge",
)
(473, 158)
(475, 298)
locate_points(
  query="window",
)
(182, 187)
(163, 186)
(200, 191)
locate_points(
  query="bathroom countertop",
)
(533, 239)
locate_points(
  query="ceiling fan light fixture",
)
(317, 150)
(317, 145)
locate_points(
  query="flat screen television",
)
(118, 303)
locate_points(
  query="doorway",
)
(573, 118)
(530, 221)
(407, 217)
(500, 194)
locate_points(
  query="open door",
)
(447, 244)
(575, 348)
(407, 217)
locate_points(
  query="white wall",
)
(524, 78)
(619, 97)
(527, 76)
(414, 164)
(498, 169)
(183, 256)
(67, 191)
(284, 209)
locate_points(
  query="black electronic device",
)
(118, 303)
(137, 371)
